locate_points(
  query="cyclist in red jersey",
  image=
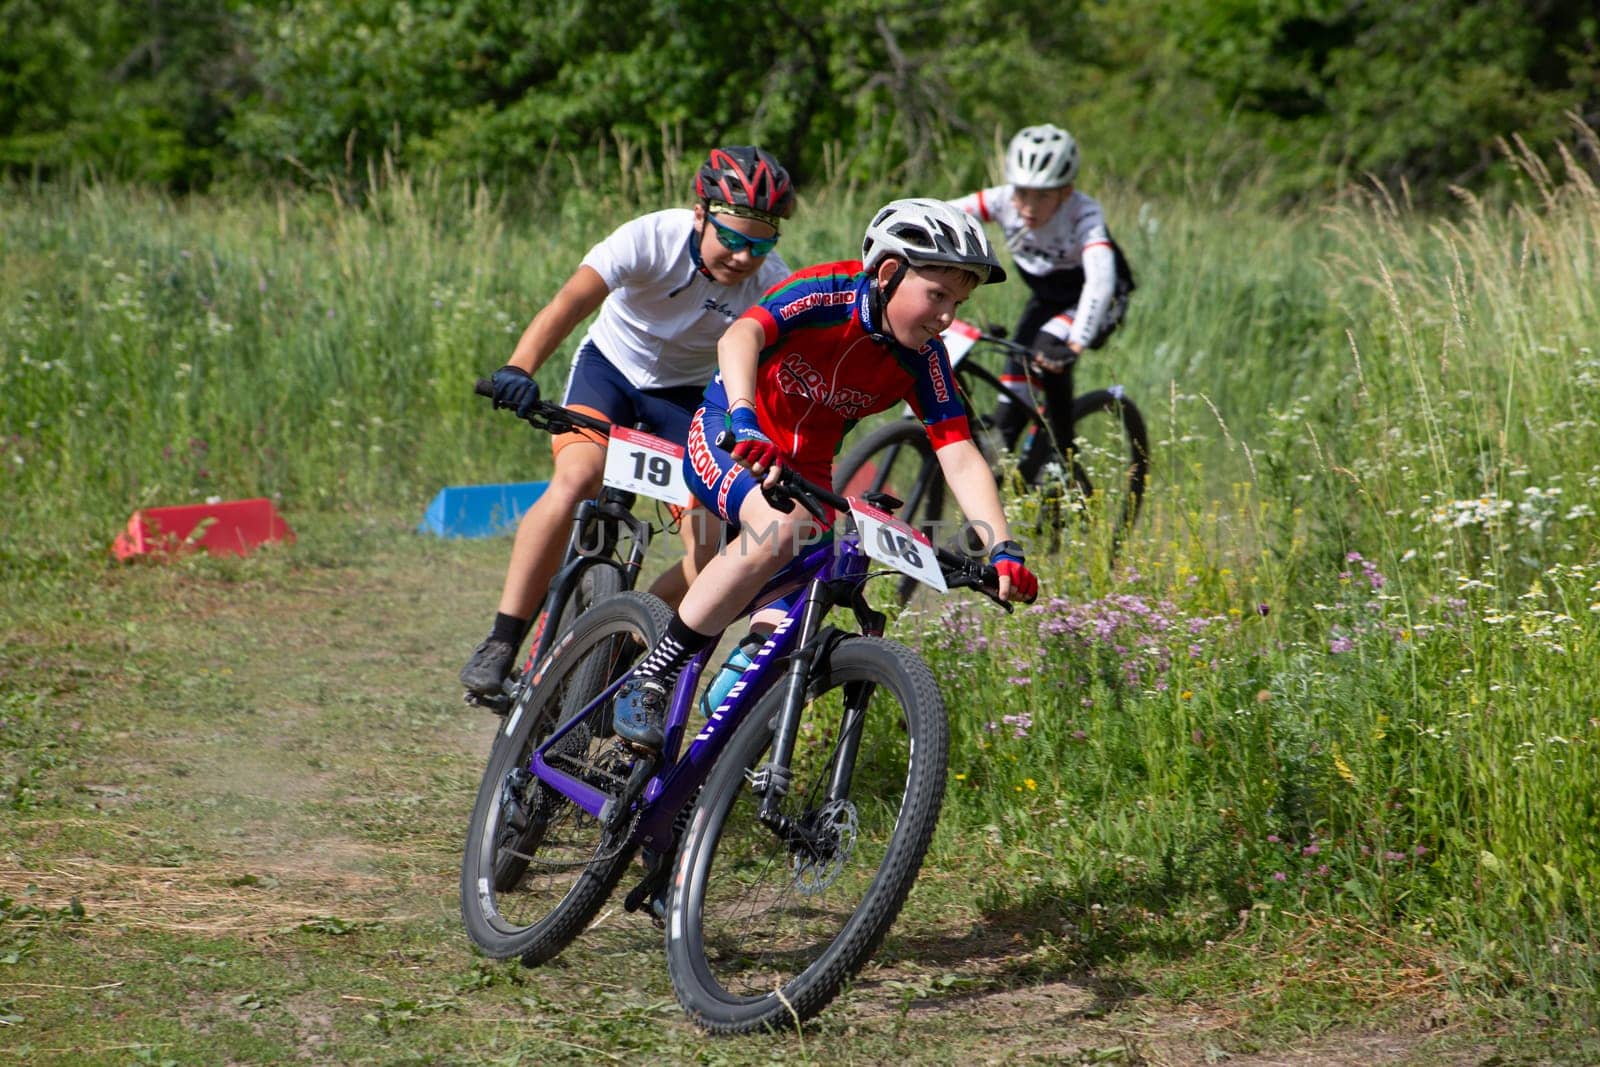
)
(824, 348)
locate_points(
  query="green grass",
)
(1322, 740)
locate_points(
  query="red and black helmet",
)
(748, 180)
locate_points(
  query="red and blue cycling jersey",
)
(825, 365)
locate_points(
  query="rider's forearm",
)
(1099, 282)
(970, 479)
(575, 301)
(738, 351)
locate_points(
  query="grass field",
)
(1314, 765)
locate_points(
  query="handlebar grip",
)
(484, 387)
(779, 499)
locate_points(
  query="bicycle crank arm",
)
(614, 813)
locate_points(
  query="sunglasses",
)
(734, 241)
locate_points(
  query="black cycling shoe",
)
(485, 673)
(639, 714)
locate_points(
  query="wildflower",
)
(1340, 644)
(1273, 838)
(1030, 783)
(1279, 876)
(1311, 849)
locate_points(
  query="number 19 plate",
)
(888, 540)
(646, 464)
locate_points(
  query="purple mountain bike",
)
(780, 835)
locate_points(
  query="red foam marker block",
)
(230, 528)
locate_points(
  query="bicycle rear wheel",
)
(536, 868)
(764, 928)
(590, 676)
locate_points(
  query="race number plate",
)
(888, 540)
(646, 464)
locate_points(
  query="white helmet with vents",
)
(930, 233)
(1042, 157)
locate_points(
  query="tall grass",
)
(159, 352)
(1347, 669)
(1344, 669)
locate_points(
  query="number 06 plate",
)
(646, 464)
(888, 540)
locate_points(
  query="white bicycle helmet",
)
(930, 233)
(1042, 157)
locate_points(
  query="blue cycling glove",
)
(750, 446)
(515, 388)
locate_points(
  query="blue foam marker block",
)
(479, 510)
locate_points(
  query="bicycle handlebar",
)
(552, 418)
(993, 334)
(960, 570)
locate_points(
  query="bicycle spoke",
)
(798, 908)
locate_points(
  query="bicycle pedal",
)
(499, 703)
(646, 891)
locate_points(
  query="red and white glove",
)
(1007, 560)
(751, 447)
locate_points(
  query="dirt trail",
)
(279, 756)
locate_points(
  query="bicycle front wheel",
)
(536, 868)
(766, 924)
(1110, 458)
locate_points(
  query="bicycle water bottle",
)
(740, 658)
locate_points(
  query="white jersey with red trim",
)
(1075, 238)
(660, 323)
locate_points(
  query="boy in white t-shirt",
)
(666, 285)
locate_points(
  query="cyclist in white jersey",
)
(1063, 252)
(666, 286)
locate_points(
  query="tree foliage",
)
(182, 92)
(1418, 90)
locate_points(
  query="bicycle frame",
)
(603, 517)
(831, 572)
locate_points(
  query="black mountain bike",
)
(799, 810)
(595, 565)
(1086, 454)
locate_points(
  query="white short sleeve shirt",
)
(661, 321)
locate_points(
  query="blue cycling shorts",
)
(596, 387)
(717, 480)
